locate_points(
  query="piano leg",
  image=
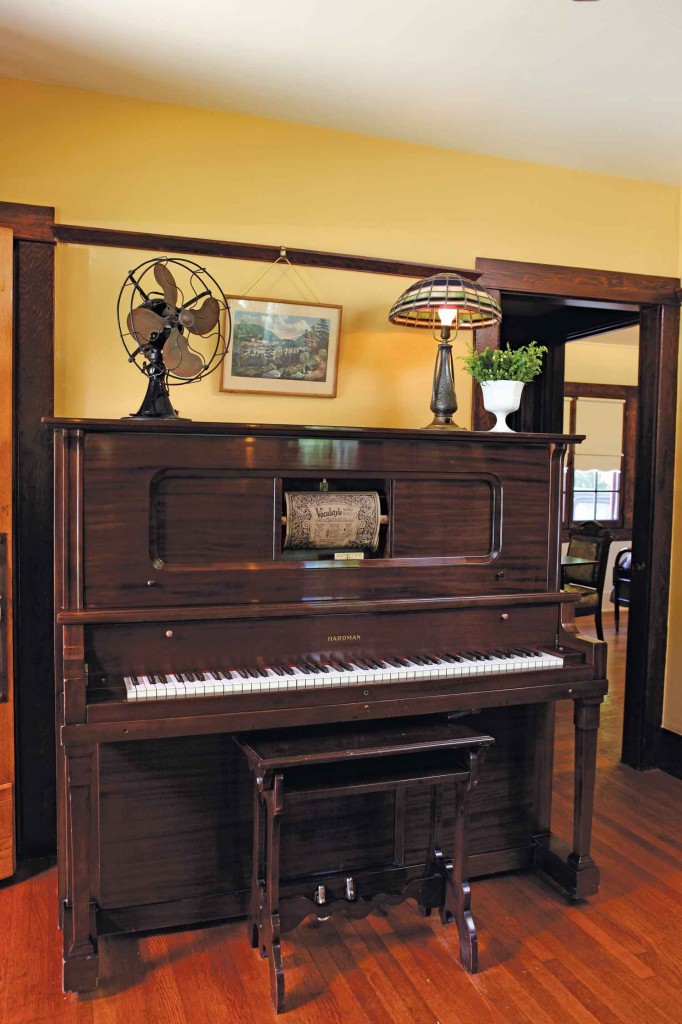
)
(81, 962)
(574, 870)
(273, 795)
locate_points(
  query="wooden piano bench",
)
(344, 760)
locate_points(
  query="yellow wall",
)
(605, 359)
(118, 162)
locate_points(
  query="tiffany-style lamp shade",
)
(448, 303)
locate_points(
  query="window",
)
(599, 473)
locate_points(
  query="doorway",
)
(559, 301)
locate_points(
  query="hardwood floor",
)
(614, 960)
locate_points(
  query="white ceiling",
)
(589, 85)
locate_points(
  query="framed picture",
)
(282, 348)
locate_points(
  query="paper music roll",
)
(334, 520)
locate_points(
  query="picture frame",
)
(280, 347)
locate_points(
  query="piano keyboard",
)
(312, 673)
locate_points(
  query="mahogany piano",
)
(183, 616)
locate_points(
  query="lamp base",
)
(443, 423)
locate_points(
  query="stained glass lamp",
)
(447, 303)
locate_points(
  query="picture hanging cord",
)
(282, 258)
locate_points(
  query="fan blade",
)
(178, 357)
(143, 322)
(167, 282)
(204, 319)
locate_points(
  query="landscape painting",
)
(282, 348)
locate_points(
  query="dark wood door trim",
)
(652, 535)
(577, 283)
(28, 223)
(33, 344)
(659, 302)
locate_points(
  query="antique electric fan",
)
(175, 325)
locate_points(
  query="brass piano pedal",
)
(350, 893)
(320, 895)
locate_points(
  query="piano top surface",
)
(134, 425)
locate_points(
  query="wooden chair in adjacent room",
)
(620, 595)
(590, 541)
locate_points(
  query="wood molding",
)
(7, 768)
(652, 534)
(33, 495)
(578, 283)
(574, 389)
(670, 753)
(81, 235)
(29, 223)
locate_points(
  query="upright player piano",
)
(185, 613)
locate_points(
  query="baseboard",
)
(670, 752)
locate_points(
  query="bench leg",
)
(254, 920)
(270, 945)
(457, 901)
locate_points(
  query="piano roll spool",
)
(339, 520)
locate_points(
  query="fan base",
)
(156, 404)
(157, 416)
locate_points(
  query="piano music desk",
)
(296, 764)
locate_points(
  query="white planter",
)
(500, 397)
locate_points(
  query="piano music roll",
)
(338, 520)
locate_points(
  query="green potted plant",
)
(502, 372)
